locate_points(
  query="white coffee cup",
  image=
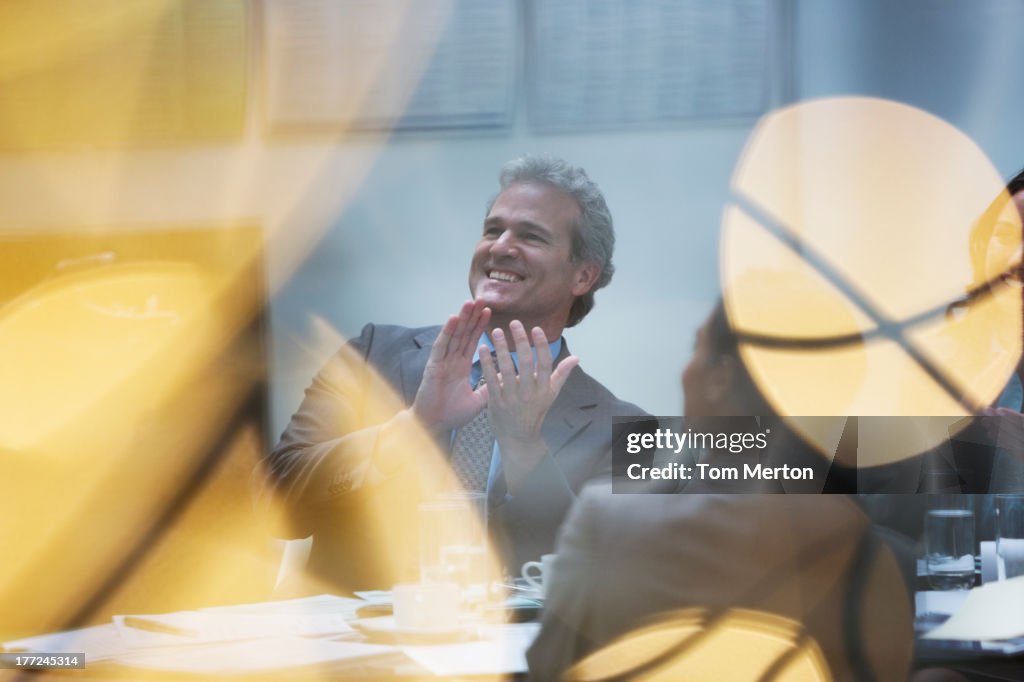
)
(425, 606)
(544, 569)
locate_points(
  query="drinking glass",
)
(453, 541)
(1010, 535)
(949, 548)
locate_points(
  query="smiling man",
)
(526, 425)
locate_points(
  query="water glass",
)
(1010, 535)
(453, 541)
(949, 548)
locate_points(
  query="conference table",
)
(984, 661)
(351, 638)
(319, 637)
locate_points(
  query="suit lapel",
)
(570, 412)
(567, 417)
(414, 361)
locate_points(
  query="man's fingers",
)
(505, 364)
(444, 339)
(490, 373)
(462, 329)
(544, 360)
(482, 316)
(468, 320)
(474, 317)
(561, 373)
(523, 352)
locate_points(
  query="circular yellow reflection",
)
(846, 240)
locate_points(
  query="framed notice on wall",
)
(617, 63)
(365, 65)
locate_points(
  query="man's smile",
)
(503, 276)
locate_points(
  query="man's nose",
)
(505, 246)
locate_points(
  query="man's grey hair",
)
(593, 239)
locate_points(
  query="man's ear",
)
(585, 277)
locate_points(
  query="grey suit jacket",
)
(324, 459)
(626, 559)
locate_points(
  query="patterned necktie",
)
(473, 450)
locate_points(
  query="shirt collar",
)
(555, 346)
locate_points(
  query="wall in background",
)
(375, 228)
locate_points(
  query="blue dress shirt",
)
(474, 378)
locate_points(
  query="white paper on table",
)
(321, 603)
(503, 650)
(98, 643)
(259, 655)
(218, 626)
(375, 596)
(1006, 647)
(992, 611)
(939, 602)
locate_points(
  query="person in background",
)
(814, 561)
(987, 238)
(528, 436)
(985, 457)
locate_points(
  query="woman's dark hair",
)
(725, 343)
(1016, 183)
(981, 233)
(720, 334)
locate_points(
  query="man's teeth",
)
(504, 276)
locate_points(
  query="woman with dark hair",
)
(996, 256)
(995, 241)
(815, 563)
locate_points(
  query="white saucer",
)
(384, 627)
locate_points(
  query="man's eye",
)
(491, 231)
(534, 238)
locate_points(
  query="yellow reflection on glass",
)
(845, 244)
(71, 343)
(108, 72)
(738, 645)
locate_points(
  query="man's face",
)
(522, 267)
